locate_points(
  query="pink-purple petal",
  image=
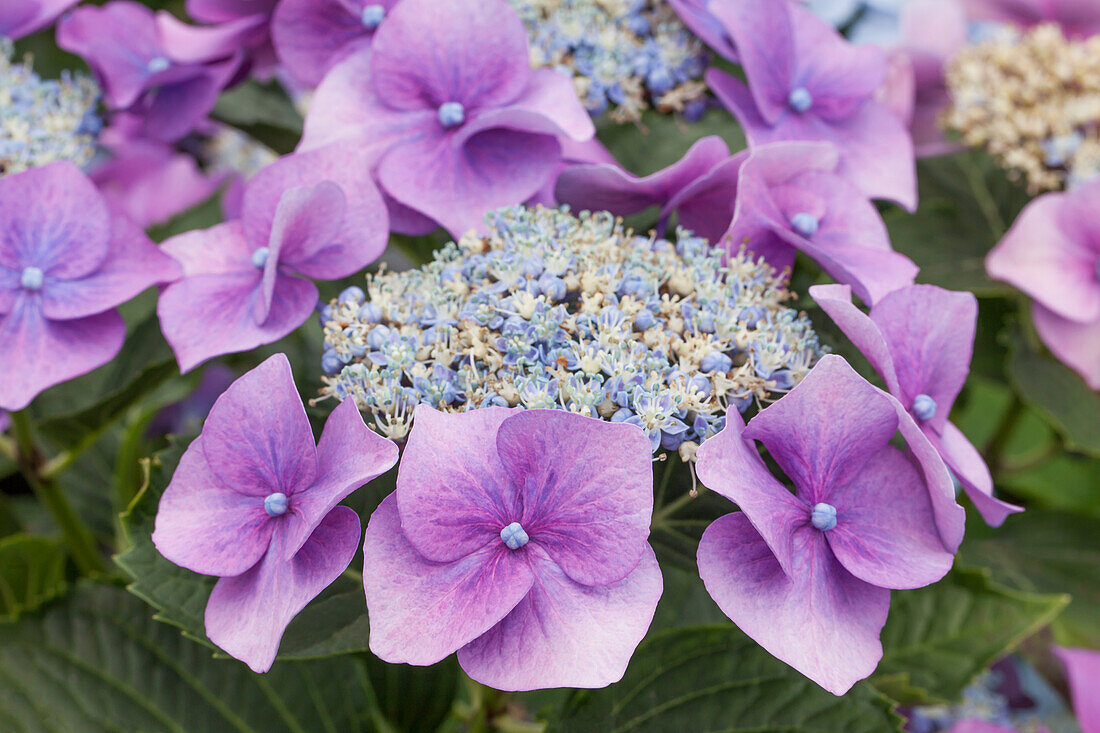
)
(836, 301)
(548, 105)
(564, 634)
(423, 611)
(763, 33)
(1083, 672)
(311, 36)
(20, 18)
(969, 468)
(1076, 344)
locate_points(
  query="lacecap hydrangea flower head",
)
(553, 310)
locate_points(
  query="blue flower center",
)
(32, 278)
(275, 504)
(513, 536)
(805, 224)
(452, 114)
(259, 257)
(924, 407)
(800, 99)
(158, 64)
(823, 516)
(372, 16)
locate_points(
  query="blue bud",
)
(158, 64)
(823, 516)
(694, 110)
(275, 504)
(805, 224)
(924, 407)
(372, 16)
(452, 114)
(552, 287)
(715, 361)
(331, 363)
(32, 278)
(644, 319)
(378, 336)
(800, 99)
(659, 81)
(353, 294)
(699, 383)
(259, 257)
(370, 313)
(513, 536)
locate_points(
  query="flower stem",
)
(81, 543)
(983, 196)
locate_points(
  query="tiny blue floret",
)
(32, 278)
(158, 64)
(259, 257)
(823, 516)
(275, 504)
(513, 536)
(452, 114)
(372, 16)
(805, 224)
(331, 363)
(924, 407)
(715, 361)
(352, 294)
(800, 99)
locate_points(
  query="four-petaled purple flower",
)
(66, 262)
(807, 575)
(807, 83)
(518, 539)
(254, 502)
(20, 18)
(311, 36)
(920, 340)
(1052, 253)
(446, 104)
(314, 214)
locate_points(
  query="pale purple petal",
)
(582, 489)
(823, 432)
(39, 353)
(836, 301)
(548, 105)
(220, 250)
(969, 468)
(763, 33)
(172, 110)
(207, 526)
(873, 273)
(20, 18)
(257, 437)
(427, 53)
(564, 634)
(706, 205)
(1076, 344)
(885, 530)
(311, 36)
(247, 614)
(221, 11)
(186, 43)
(731, 466)
(349, 455)
(702, 23)
(423, 611)
(1083, 671)
(820, 619)
(451, 482)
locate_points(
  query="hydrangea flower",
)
(20, 18)
(247, 22)
(316, 215)
(920, 340)
(42, 121)
(1052, 253)
(807, 83)
(807, 575)
(311, 36)
(261, 512)
(624, 57)
(1078, 18)
(168, 86)
(519, 540)
(553, 310)
(452, 133)
(66, 261)
(1083, 670)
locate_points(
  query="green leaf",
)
(32, 571)
(660, 140)
(334, 623)
(1064, 482)
(264, 111)
(714, 678)
(1047, 552)
(937, 639)
(1060, 395)
(98, 662)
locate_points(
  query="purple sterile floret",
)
(254, 502)
(513, 536)
(807, 574)
(920, 340)
(1052, 253)
(66, 262)
(20, 18)
(308, 215)
(452, 117)
(805, 82)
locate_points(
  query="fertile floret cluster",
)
(1032, 99)
(44, 120)
(626, 55)
(553, 310)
